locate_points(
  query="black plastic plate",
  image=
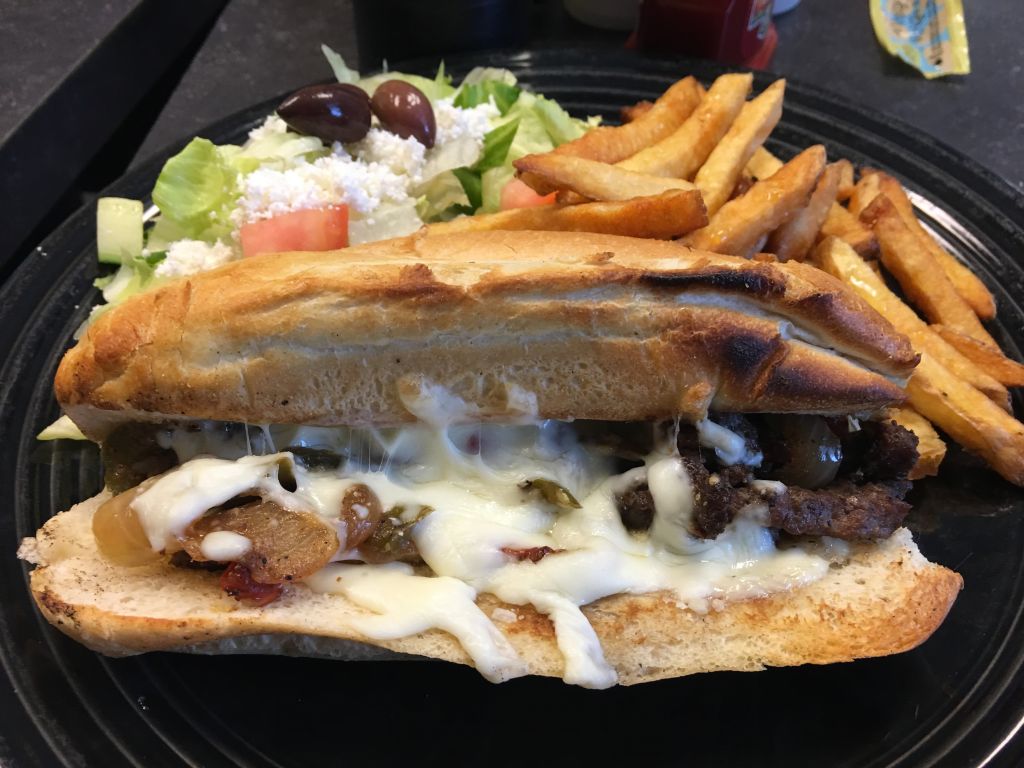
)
(957, 701)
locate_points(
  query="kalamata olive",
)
(333, 112)
(405, 111)
(812, 451)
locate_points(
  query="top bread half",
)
(565, 325)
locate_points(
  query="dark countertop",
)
(259, 49)
(41, 47)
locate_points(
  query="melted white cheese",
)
(169, 505)
(730, 448)
(406, 604)
(470, 476)
(224, 546)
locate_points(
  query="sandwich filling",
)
(414, 523)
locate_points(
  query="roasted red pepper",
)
(237, 581)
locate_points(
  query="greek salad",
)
(350, 162)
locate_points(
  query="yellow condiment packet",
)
(927, 34)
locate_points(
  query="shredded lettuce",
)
(560, 125)
(442, 197)
(503, 95)
(342, 73)
(440, 87)
(388, 220)
(497, 143)
(462, 152)
(197, 189)
(479, 75)
(275, 150)
(492, 182)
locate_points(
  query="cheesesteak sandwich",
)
(599, 458)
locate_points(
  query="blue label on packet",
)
(927, 34)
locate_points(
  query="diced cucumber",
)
(118, 229)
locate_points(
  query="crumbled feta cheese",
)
(455, 122)
(267, 192)
(273, 124)
(186, 257)
(382, 169)
(404, 157)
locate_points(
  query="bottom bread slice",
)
(884, 598)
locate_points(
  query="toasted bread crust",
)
(885, 599)
(595, 326)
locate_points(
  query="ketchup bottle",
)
(732, 31)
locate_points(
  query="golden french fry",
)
(842, 224)
(931, 449)
(864, 191)
(717, 177)
(663, 216)
(684, 151)
(610, 144)
(966, 283)
(919, 275)
(633, 111)
(742, 222)
(1008, 372)
(763, 164)
(838, 259)
(794, 239)
(970, 418)
(845, 186)
(594, 180)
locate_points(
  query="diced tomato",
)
(322, 229)
(516, 194)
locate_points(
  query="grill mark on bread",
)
(756, 282)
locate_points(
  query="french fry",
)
(633, 111)
(594, 180)
(684, 151)
(1008, 372)
(610, 144)
(763, 164)
(845, 186)
(970, 418)
(947, 398)
(931, 449)
(839, 260)
(966, 283)
(919, 275)
(842, 224)
(742, 222)
(794, 239)
(661, 217)
(717, 177)
(864, 191)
